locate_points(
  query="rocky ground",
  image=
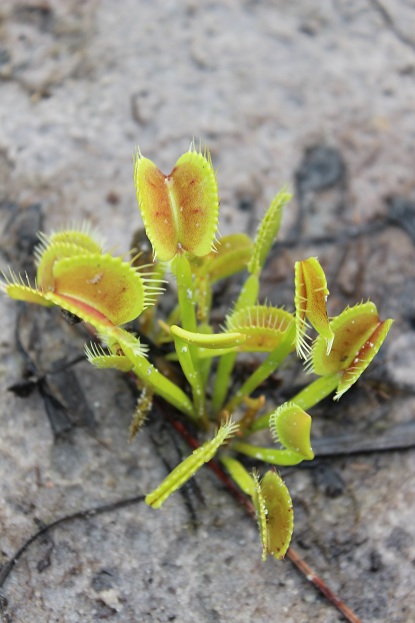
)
(318, 96)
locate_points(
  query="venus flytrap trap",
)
(290, 427)
(273, 506)
(180, 215)
(274, 513)
(358, 335)
(310, 304)
(179, 210)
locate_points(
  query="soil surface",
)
(318, 96)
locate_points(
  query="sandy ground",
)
(318, 96)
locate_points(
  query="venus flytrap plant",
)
(180, 215)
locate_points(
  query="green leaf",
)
(210, 340)
(187, 468)
(239, 474)
(273, 456)
(267, 232)
(150, 375)
(230, 257)
(193, 375)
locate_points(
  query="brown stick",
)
(305, 569)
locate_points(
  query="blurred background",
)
(318, 96)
